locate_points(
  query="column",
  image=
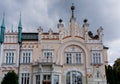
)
(59, 78)
(52, 78)
(17, 57)
(41, 78)
(34, 79)
(0, 54)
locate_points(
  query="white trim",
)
(26, 56)
(0, 54)
(17, 55)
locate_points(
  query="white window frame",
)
(26, 56)
(69, 56)
(48, 51)
(73, 57)
(25, 76)
(11, 57)
(78, 58)
(37, 79)
(96, 57)
(71, 76)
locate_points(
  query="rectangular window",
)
(68, 58)
(96, 57)
(48, 53)
(26, 56)
(9, 57)
(46, 77)
(37, 79)
(25, 78)
(78, 58)
(56, 79)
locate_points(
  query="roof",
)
(104, 47)
(29, 36)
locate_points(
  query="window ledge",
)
(96, 64)
(26, 63)
(74, 64)
(8, 64)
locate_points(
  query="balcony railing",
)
(43, 61)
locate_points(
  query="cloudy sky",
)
(46, 13)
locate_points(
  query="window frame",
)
(10, 56)
(71, 77)
(26, 56)
(96, 57)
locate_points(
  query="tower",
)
(2, 31)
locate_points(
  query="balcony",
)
(43, 61)
(97, 64)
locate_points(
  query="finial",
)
(60, 20)
(72, 8)
(85, 20)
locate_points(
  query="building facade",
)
(73, 55)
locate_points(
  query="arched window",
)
(73, 77)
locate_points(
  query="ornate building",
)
(73, 55)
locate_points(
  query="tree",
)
(116, 68)
(10, 78)
(110, 75)
(113, 73)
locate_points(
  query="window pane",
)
(56, 79)
(74, 77)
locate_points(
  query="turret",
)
(20, 30)
(2, 30)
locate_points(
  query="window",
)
(9, 57)
(78, 58)
(73, 54)
(25, 78)
(98, 74)
(26, 56)
(73, 77)
(68, 58)
(96, 57)
(37, 79)
(48, 53)
(73, 57)
(56, 79)
(46, 77)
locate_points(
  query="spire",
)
(3, 21)
(20, 30)
(2, 30)
(12, 28)
(20, 23)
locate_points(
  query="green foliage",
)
(113, 73)
(10, 78)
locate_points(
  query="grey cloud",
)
(46, 13)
